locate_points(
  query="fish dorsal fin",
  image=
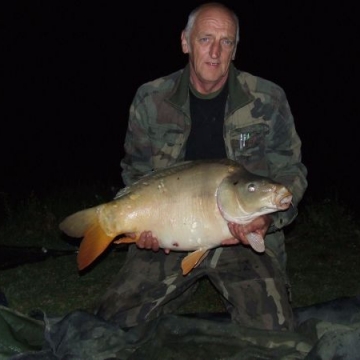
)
(93, 245)
(193, 260)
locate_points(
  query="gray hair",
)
(193, 15)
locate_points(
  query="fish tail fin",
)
(85, 223)
(77, 224)
(193, 260)
(94, 243)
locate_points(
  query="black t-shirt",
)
(206, 139)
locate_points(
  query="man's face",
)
(211, 48)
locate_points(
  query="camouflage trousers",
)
(253, 287)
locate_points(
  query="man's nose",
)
(215, 50)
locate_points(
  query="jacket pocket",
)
(248, 143)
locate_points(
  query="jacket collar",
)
(239, 96)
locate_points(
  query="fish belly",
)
(192, 235)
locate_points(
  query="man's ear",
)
(184, 44)
(233, 55)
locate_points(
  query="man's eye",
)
(228, 42)
(204, 40)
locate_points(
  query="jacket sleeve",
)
(137, 146)
(284, 159)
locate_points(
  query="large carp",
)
(186, 206)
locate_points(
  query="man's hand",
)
(260, 226)
(148, 241)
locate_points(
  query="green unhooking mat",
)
(323, 331)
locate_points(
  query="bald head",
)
(212, 6)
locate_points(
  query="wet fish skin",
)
(186, 206)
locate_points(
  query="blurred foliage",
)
(323, 247)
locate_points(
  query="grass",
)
(323, 248)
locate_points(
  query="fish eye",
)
(251, 187)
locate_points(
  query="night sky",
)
(71, 68)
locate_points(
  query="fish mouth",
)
(283, 201)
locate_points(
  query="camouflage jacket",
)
(259, 131)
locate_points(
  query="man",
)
(210, 109)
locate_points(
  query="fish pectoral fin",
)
(94, 243)
(193, 260)
(256, 241)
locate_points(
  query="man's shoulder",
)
(257, 84)
(161, 84)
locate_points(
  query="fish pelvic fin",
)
(94, 243)
(193, 260)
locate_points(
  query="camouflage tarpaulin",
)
(324, 331)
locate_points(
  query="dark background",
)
(71, 69)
